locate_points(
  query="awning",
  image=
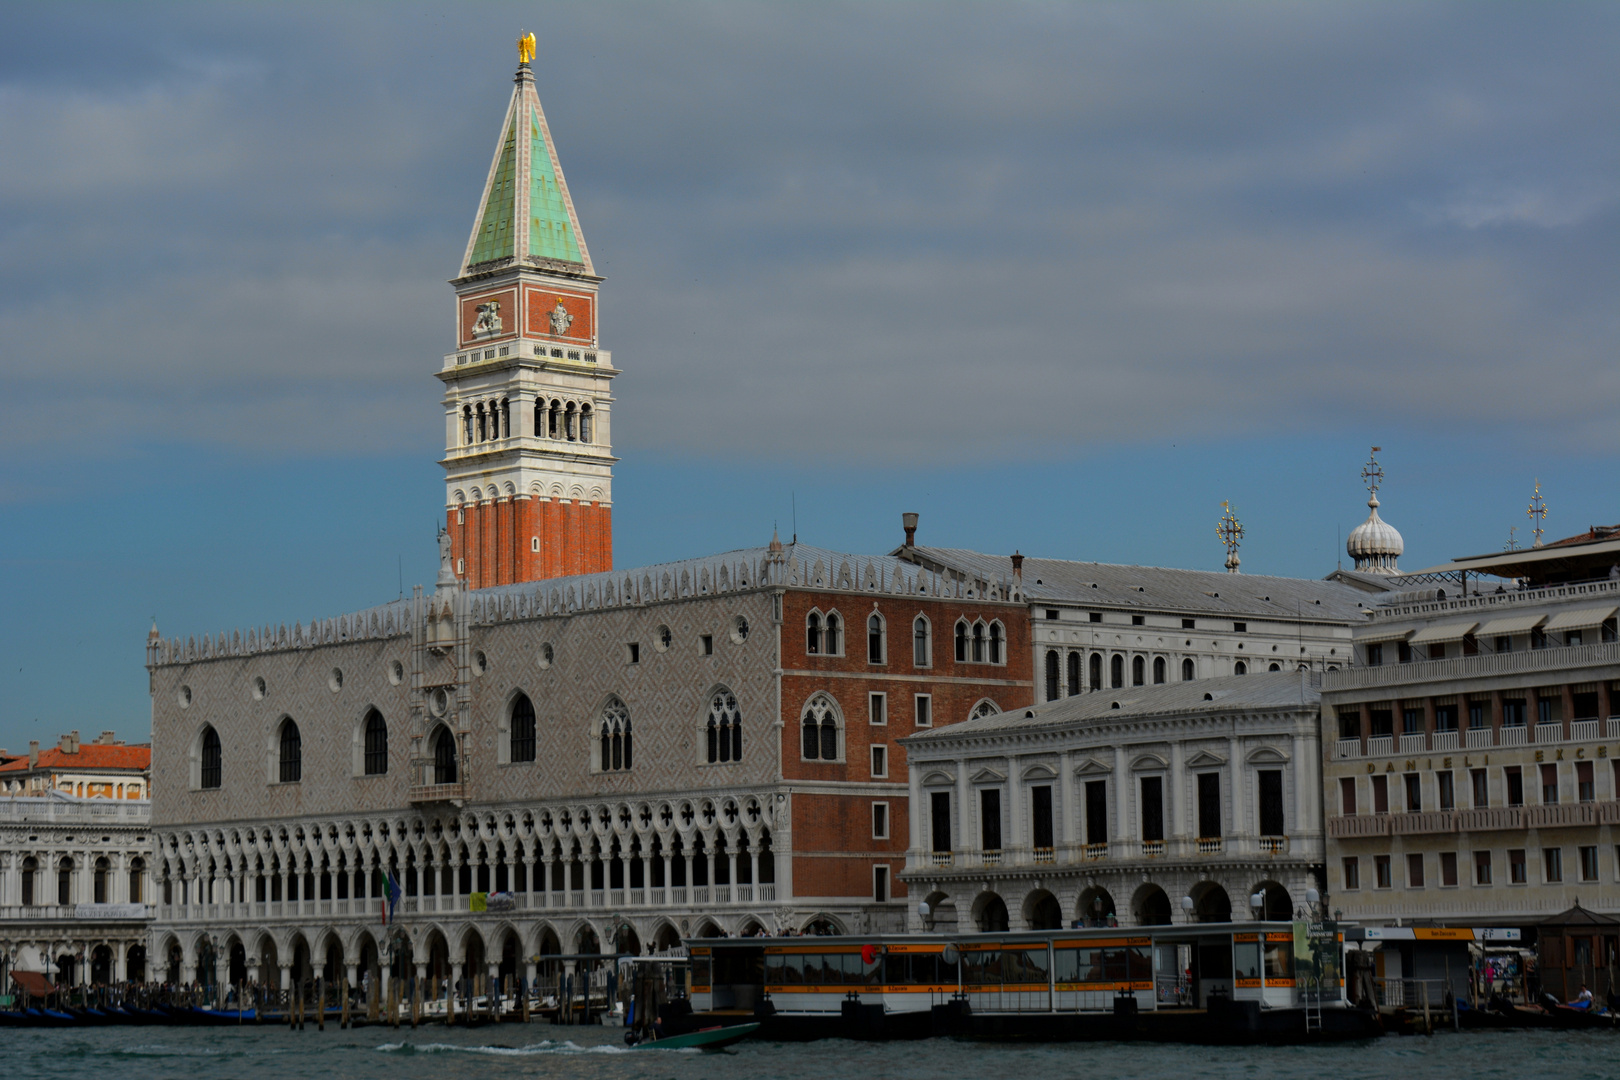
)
(1576, 620)
(1451, 631)
(1509, 624)
(33, 982)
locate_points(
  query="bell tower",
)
(528, 457)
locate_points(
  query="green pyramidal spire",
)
(527, 217)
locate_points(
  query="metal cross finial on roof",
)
(1538, 513)
(1371, 474)
(1513, 543)
(1230, 530)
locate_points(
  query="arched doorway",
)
(237, 975)
(176, 963)
(1096, 907)
(1275, 903)
(992, 914)
(1042, 911)
(135, 963)
(1152, 907)
(1211, 904)
(666, 937)
(586, 941)
(101, 965)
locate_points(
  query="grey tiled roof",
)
(1158, 588)
(1271, 690)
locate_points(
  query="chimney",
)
(33, 753)
(107, 739)
(910, 523)
(73, 741)
(64, 743)
(1018, 567)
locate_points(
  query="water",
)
(595, 1053)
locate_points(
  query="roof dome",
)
(1375, 544)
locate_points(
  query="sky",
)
(1059, 277)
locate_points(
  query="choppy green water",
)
(542, 1051)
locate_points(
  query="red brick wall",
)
(496, 540)
(830, 828)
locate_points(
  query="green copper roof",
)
(495, 227)
(551, 234)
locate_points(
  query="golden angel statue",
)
(525, 44)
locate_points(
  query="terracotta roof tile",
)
(90, 756)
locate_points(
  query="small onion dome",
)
(1375, 544)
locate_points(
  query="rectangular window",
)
(1051, 614)
(1513, 712)
(880, 821)
(880, 761)
(1347, 795)
(1240, 628)
(1040, 813)
(1375, 654)
(706, 644)
(1097, 812)
(1189, 624)
(1352, 872)
(925, 710)
(1446, 790)
(1482, 868)
(1380, 789)
(1414, 871)
(1552, 860)
(1382, 720)
(990, 819)
(939, 813)
(1138, 620)
(1589, 867)
(632, 652)
(1350, 723)
(1414, 792)
(1477, 718)
(1516, 869)
(1411, 721)
(1585, 787)
(1095, 616)
(1445, 716)
(1152, 808)
(1448, 869)
(1482, 787)
(1549, 784)
(1515, 785)
(1382, 878)
(880, 884)
(1271, 803)
(1209, 805)
(879, 704)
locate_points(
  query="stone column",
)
(1122, 800)
(668, 880)
(1302, 777)
(1178, 800)
(1067, 810)
(914, 800)
(1017, 831)
(283, 975)
(1239, 805)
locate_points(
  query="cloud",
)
(840, 233)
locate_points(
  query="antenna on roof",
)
(402, 577)
(795, 502)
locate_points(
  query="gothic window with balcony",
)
(521, 731)
(724, 729)
(291, 756)
(615, 737)
(444, 757)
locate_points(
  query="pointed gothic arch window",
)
(874, 639)
(812, 633)
(820, 729)
(997, 637)
(986, 707)
(521, 731)
(585, 424)
(211, 755)
(1074, 673)
(1189, 670)
(978, 643)
(444, 756)
(961, 641)
(617, 750)
(922, 645)
(291, 753)
(376, 735)
(724, 728)
(835, 634)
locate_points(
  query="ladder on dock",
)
(1313, 1008)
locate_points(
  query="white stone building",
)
(1149, 805)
